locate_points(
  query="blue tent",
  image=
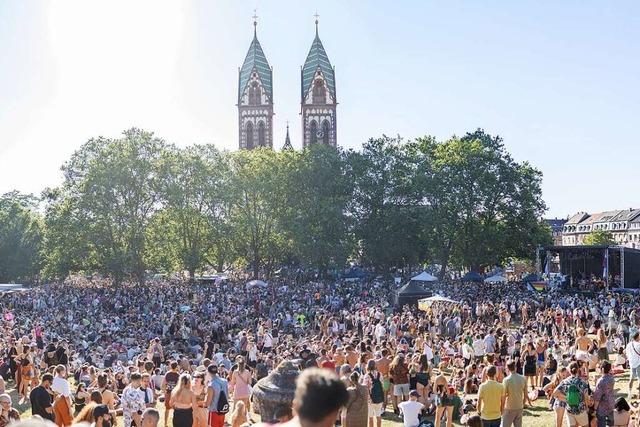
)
(471, 276)
(355, 273)
(533, 277)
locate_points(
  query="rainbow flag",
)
(539, 286)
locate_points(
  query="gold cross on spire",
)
(316, 16)
(255, 17)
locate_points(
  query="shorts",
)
(401, 389)
(386, 384)
(603, 354)
(635, 372)
(540, 364)
(375, 410)
(215, 419)
(581, 419)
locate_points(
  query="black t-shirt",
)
(40, 401)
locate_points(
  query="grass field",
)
(539, 415)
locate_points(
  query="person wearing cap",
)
(411, 410)
(216, 388)
(102, 416)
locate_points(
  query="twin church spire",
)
(255, 98)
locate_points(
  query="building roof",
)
(556, 224)
(256, 59)
(627, 215)
(317, 57)
(287, 141)
(593, 218)
(577, 218)
(607, 216)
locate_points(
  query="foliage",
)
(599, 238)
(21, 238)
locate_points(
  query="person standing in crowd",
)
(62, 405)
(490, 399)
(575, 393)
(515, 397)
(604, 396)
(400, 376)
(218, 389)
(8, 414)
(373, 382)
(150, 417)
(147, 391)
(133, 402)
(356, 411)
(168, 384)
(102, 417)
(241, 383)
(633, 357)
(40, 399)
(183, 402)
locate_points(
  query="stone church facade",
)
(318, 102)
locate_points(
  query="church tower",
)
(255, 98)
(318, 105)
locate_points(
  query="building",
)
(318, 103)
(318, 91)
(556, 225)
(624, 226)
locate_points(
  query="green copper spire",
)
(256, 59)
(317, 57)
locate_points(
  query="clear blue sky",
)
(559, 81)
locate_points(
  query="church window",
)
(313, 130)
(254, 94)
(326, 128)
(319, 92)
(261, 134)
(249, 136)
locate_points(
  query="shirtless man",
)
(382, 364)
(351, 356)
(603, 353)
(583, 349)
(444, 404)
(108, 397)
(338, 358)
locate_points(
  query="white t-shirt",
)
(61, 386)
(411, 411)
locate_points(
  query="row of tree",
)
(137, 204)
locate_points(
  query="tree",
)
(21, 238)
(193, 190)
(483, 206)
(114, 189)
(599, 238)
(318, 193)
(258, 195)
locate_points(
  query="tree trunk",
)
(256, 266)
(192, 274)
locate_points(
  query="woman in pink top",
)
(241, 383)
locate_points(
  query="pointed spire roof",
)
(317, 57)
(287, 141)
(256, 59)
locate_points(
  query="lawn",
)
(539, 415)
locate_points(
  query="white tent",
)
(496, 279)
(424, 277)
(438, 298)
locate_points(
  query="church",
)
(317, 98)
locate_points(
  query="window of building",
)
(249, 136)
(326, 129)
(313, 130)
(319, 92)
(261, 134)
(254, 94)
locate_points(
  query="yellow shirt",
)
(514, 384)
(491, 394)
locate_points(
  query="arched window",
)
(249, 136)
(319, 92)
(254, 94)
(326, 128)
(313, 130)
(261, 132)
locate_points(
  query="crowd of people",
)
(89, 350)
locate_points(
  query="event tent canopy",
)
(533, 277)
(424, 277)
(471, 276)
(410, 294)
(255, 284)
(496, 278)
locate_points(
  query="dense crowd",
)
(196, 350)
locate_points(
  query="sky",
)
(559, 81)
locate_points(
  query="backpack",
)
(223, 403)
(376, 393)
(573, 396)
